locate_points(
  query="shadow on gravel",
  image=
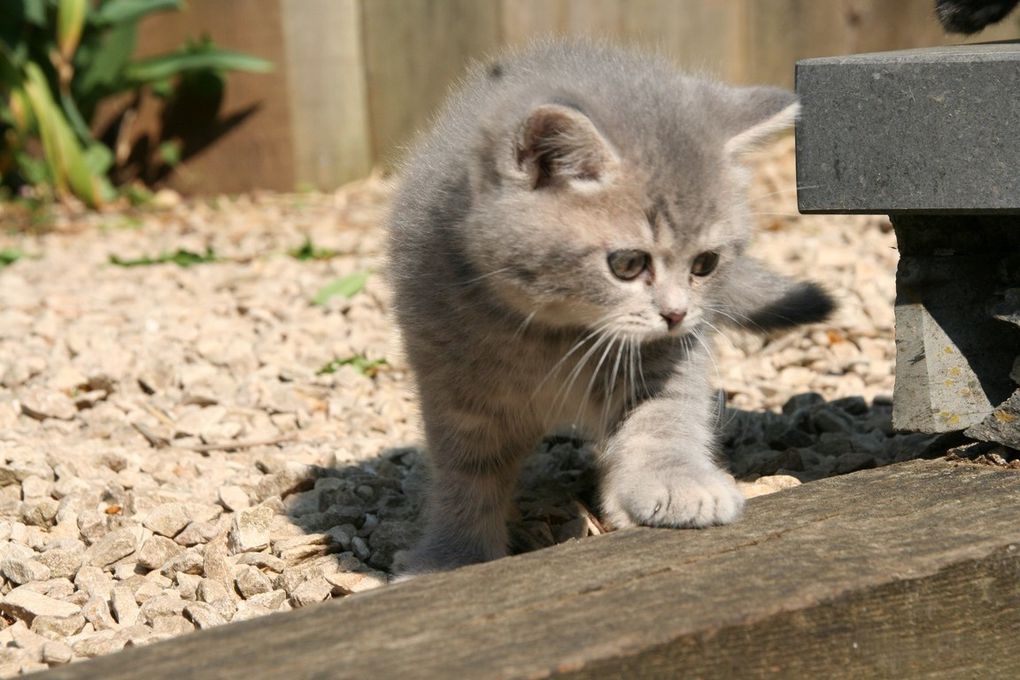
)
(364, 513)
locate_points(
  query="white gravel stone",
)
(19, 571)
(247, 610)
(356, 582)
(210, 590)
(97, 612)
(168, 520)
(198, 533)
(63, 562)
(36, 487)
(187, 585)
(273, 599)
(123, 606)
(28, 641)
(311, 591)
(767, 485)
(250, 530)
(262, 561)
(157, 551)
(172, 625)
(41, 403)
(188, 562)
(111, 547)
(250, 581)
(25, 604)
(56, 653)
(169, 604)
(234, 498)
(58, 627)
(94, 581)
(203, 615)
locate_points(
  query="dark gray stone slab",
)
(953, 356)
(928, 131)
(1002, 425)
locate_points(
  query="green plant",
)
(59, 59)
(309, 251)
(360, 363)
(181, 258)
(346, 287)
(9, 256)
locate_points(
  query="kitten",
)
(562, 244)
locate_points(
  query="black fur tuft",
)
(971, 16)
(806, 302)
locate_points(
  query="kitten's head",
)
(583, 218)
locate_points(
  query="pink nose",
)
(673, 318)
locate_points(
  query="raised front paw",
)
(683, 497)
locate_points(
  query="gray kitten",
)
(562, 243)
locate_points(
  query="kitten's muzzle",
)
(673, 318)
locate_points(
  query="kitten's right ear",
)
(753, 115)
(558, 145)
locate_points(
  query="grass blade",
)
(346, 287)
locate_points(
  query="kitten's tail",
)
(759, 299)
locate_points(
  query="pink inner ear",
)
(558, 143)
(761, 132)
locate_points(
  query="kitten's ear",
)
(558, 145)
(754, 114)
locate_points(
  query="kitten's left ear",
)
(754, 114)
(559, 145)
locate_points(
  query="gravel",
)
(185, 447)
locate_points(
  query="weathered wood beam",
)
(905, 571)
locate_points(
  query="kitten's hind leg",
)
(472, 481)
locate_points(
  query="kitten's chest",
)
(589, 384)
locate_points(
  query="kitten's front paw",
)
(683, 497)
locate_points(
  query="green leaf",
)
(104, 69)
(181, 258)
(9, 256)
(170, 152)
(118, 11)
(137, 194)
(346, 287)
(35, 12)
(206, 58)
(164, 89)
(308, 251)
(99, 158)
(70, 21)
(74, 117)
(361, 363)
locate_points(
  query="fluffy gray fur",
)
(542, 163)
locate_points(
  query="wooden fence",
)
(355, 79)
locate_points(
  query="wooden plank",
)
(414, 50)
(700, 35)
(327, 93)
(781, 32)
(257, 153)
(905, 571)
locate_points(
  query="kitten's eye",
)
(628, 264)
(705, 264)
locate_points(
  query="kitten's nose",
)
(673, 318)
